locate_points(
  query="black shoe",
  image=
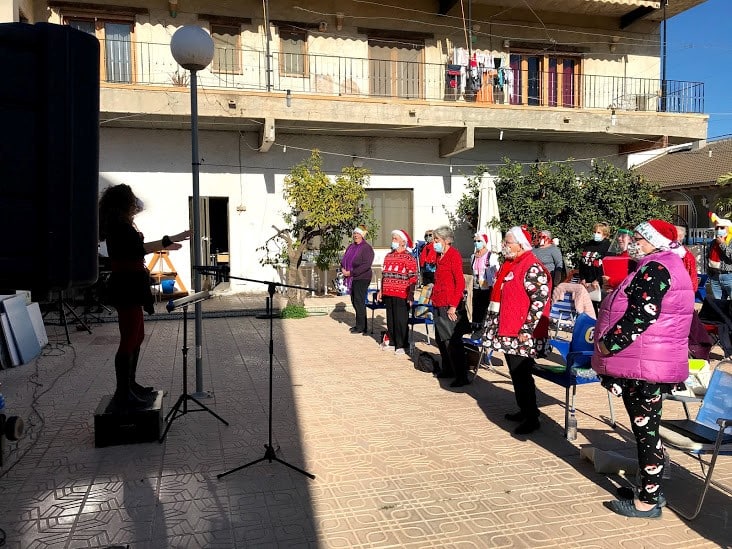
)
(459, 382)
(623, 492)
(626, 508)
(141, 390)
(444, 374)
(516, 416)
(527, 426)
(354, 330)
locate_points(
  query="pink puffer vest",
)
(661, 353)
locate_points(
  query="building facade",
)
(420, 96)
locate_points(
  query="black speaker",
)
(49, 157)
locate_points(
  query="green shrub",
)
(294, 311)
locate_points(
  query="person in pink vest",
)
(398, 280)
(642, 349)
(519, 302)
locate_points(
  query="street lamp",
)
(193, 49)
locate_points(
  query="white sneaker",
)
(400, 352)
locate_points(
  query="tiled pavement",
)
(401, 460)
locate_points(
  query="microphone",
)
(188, 300)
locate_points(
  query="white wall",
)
(156, 164)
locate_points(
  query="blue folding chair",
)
(710, 434)
(701, 290)
(372, 304)
(562, 314)
(575, 368)
(422, 312)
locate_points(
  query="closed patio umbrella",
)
(487, 212)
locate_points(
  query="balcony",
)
(246, 70)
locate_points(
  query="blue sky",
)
(699, 49)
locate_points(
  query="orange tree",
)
(552, 195)
(323, 211)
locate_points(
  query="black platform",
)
(112, 427)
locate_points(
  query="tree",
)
(323, 211)
(549, 195)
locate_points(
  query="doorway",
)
(214, 231)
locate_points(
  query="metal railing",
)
(246, 69)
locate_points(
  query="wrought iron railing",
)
(246, 69)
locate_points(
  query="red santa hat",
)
(476, 236)
(401, 233)
(661, 234)
(522, 236)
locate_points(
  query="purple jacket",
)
(362, 261)
(661, 353)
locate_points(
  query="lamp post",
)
(193, 49)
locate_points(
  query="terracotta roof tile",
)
(689, 168)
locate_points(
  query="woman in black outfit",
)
(129, 285)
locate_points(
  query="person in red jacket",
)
(428, 259)
(449, 307)
(519, 302)
(398, 280)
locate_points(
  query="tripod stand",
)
(183, 399)
(64, 306)
(270, 453)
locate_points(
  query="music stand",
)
(270, 454)
(183, 399)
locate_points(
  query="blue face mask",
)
(479, 245)
(394, 245)
(721, 233)
(597, 237)
(438, 247)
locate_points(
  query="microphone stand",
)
(183, 399)
(270, 454)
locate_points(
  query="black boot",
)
(124, 398)
(136, 388)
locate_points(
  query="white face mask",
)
(721, 233)
(507, 252)
(597, 237)
(634, 250)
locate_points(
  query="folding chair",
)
(715, 316)
(421, 313)
(476, 356)
(575, 368)
(701, 290)
(709, 434)
(372, 304)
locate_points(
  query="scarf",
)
(495, 305)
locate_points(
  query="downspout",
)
(268, 61)
(663, 60)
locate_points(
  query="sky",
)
(699, 49)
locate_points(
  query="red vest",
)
(515, 301)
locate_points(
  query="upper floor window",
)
(293, 52)
(547, 80)
(227, 48)
(395, 68)
(116, 41)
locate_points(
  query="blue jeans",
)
(721, 285)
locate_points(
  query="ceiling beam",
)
(631, 17)
(457, 142)
(446, 6)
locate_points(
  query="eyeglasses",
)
(427, 235)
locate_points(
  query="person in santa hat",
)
(356, 268)
(642, 349)
(398, 280)
(518, 320)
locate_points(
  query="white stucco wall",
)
(156, 164)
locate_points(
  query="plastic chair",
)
(372, 304)
(562, 314)
(575, 368)
(421, 312)
(710, 434)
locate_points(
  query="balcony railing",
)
(245, 69)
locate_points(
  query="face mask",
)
(634, 251)
(597, 237)
(479, 245)
(139, 205)
(438, 247)
(507, 252)
(721, 233)
(394, 245)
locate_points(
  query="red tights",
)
(131, 328)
